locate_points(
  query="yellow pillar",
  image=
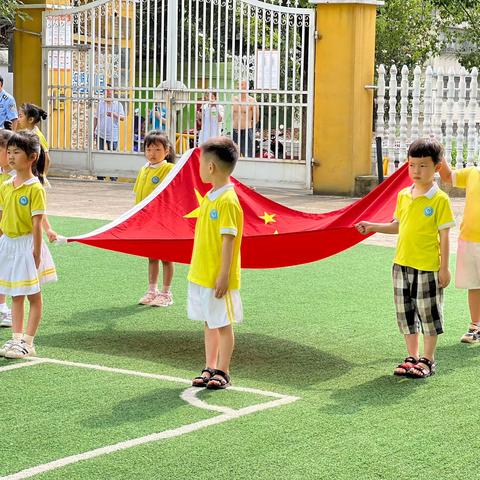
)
(344, 65)
(27, 51)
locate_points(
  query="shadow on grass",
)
(456, 355)
(381, 391)
(154, 404)
(108, 316)
(389, 390)
(259, 357)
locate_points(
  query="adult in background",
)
(211, 119)
(8, 108)
(106, 122)
(246, 114)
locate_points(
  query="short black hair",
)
(223, 149)
(28, 141)
(426, 147)
(1, 79)
(31, 110)
(155, 137)
(5, 137)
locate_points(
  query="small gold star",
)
(195, 213)
(268, 217)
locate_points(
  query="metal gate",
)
(115, 69)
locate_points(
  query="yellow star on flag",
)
(195, 213)
(268, 217)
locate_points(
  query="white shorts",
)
(467, 274)
(217, 312)
(18, 274)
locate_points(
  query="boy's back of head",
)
(426, 147)
(222, 151)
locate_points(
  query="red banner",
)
(163, 225)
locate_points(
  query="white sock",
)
(166, 289)
(4, 308)
(17, 336)
(152, 287)
(28, 339)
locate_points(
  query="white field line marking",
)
(14, 366)
(156, 376)
(189, 396)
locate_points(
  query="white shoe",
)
(148, 298)
(7, 345)
(20, 350)
(163, 299)
(6, 319)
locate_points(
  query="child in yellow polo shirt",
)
(25, 261)
(214, 275)
(6, 173)
(467, 273)
(160, 155)
(422, 219)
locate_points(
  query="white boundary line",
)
(14, 366)
(188, 395)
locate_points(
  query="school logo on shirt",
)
(428, 211)
(214, 214)
(23, 200)
(155, 179)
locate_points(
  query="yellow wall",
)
(345, 56)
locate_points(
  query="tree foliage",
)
(465, 15)
(412, 31)
(407, 32)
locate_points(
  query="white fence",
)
(426, 103)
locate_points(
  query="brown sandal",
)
(202, 380)
(417, 371)
(406, 365)
(219, 381)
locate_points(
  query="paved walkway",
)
(108, 200)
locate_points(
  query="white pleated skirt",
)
(18, 274)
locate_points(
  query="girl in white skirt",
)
(25, 261)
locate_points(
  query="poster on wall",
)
(59, 33)
(268, 70)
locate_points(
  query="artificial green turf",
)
(324, 332)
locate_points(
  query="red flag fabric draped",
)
(163, 225)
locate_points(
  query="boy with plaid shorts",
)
(423, 218)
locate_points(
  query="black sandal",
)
(219, 381)
(204, 379)
(406, 365)
(423, 372)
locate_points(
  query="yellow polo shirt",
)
(420, 220)
(469, 178)
(220, 214)
(42, 139)
(4, 176)
(149, 177)
(19, 204)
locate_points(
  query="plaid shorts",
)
(418, 301)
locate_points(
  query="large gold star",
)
(268, 217)
(195, 213)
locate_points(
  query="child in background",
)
(214, 276)
(29, 116)
(160, 155)
(422, 219)
(467, 273)
(25, 261)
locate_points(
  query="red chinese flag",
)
(163, 225)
